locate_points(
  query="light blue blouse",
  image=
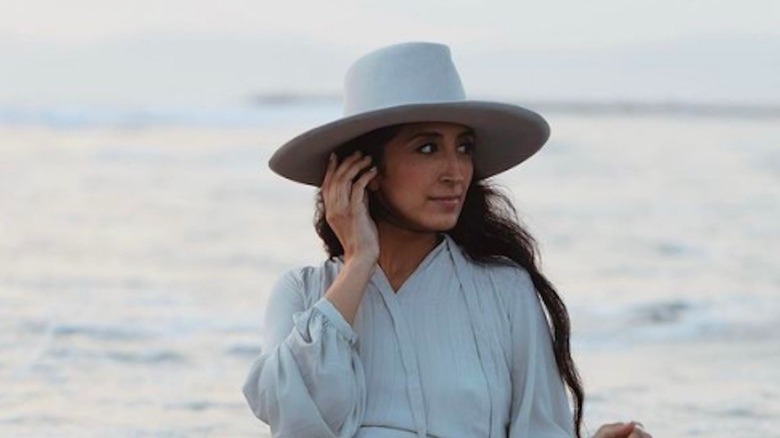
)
(460, 350)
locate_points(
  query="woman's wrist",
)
(360, 265)
(365, 258)
(346, 292)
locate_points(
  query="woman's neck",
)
(401, 251)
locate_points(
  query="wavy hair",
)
(489, 231)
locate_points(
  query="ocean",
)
(137, 248)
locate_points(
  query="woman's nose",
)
(452, 171)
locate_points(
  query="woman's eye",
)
(427, 148)
(466, 148)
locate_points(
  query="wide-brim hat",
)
(409, 83)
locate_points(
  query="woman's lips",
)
(446, 201)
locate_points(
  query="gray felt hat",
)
(407, 83)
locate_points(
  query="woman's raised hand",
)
(346, 206)
(632, 429)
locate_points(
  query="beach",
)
(136, 257)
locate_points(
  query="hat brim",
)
(505, 135)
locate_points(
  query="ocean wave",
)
(667, 321)
(243, 350)
(101, 332)
(202, 405)
(148, 356)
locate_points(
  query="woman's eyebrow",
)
(425, 134)
(466, 133)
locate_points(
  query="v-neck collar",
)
(409, 360)
(382, 283)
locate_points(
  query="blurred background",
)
(140, 228)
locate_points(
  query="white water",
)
(134, 259)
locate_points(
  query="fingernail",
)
(332, 156)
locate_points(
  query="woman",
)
(428, 319)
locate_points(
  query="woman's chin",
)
(442, 224)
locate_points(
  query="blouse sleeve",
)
(540, 406)
(308, 380)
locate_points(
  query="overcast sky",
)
(158, 51)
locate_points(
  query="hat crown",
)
(408, 73)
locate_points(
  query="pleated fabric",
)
(461, 349)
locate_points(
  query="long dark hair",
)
(489, 231)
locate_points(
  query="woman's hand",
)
(346, 206)
(346, 210)
(631, 429)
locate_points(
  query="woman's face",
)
(426, 170)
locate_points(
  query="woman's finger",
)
(329, 169)
(359, 187)
(328, 184)
(615, 430)
(639, 431)
(346, 163)
(340, 182)
(336, 194)
(354, 169)
(345, 184)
